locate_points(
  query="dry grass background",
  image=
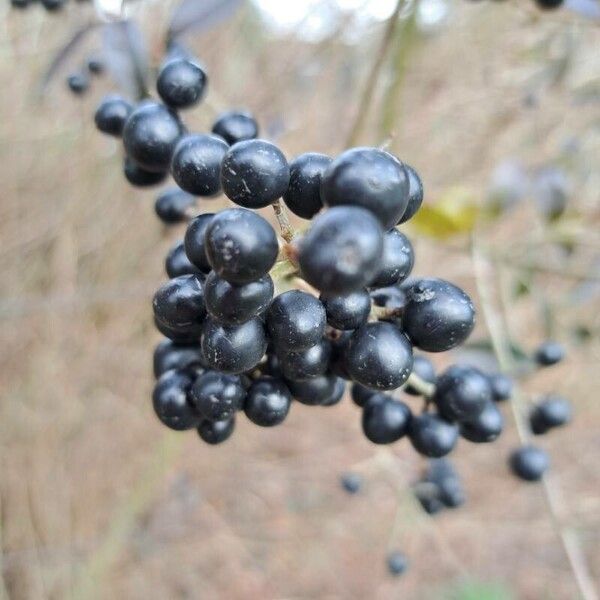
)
(98, 500)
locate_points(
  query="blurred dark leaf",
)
(64, 54)
(200, 15)
(126, 57)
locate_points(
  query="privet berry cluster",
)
(343, 308)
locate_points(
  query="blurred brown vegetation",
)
(98, 500)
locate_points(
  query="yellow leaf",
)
(455, 213)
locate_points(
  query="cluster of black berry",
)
(79, 81)
(530, 462)
(440, 487)
(49, 5)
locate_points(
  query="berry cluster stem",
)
(285, 227)
(423, 387)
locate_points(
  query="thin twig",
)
(285, 227)
(501, 345)
(371, 82)
(423, 387)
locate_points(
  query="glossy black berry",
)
(111, 115)
(502, 386)
(306, 364)
(181, 83)
(169, 355)
(342, 250)
(189, 334)
(443, 476)
(303, 196)
(385, 422)
(171, 400)
(140, 177)
(194, 241)
(348, 311)
(78, 83)
(339, 389)
(552, 411)
(296, 321)
(233, 348)
(462, 392)
(351, 482)
(437, 315)
(397, 563)
(53, 5)
(216, 432)
(428, 496)
(415, 194)
(397, 260)
(172, 204)
(267, 402)
(235, 304)
(529, 463)
(549, 353)
(361, 394)
(313, 391)
(254, 173)
(240, 245)
(196, 164)
(431, 435)
(379, 356)
(95, 65)
(549, 4)
(217, 396)
(235, 126)
(150, 134)
(485, 427)
(370, 178)
(179, 303)
(424, 368)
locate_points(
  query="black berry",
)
(415, 194)
(438, 315)
(179, 303)
(379, 356)
(236, 304)
(549, 353)
(433, 436)
(235, 126)
(111, 115)
(385, 422)
(194, 241)
(150, 134)
(240, 245)
(485, 427)
(397, 563)
(348, 311)
(171, 400)
(181, 83)
(397, 260)
(342, 250)
(462, 393)
(169, 355)
(233, 348)
(552, 411)
(140, 177)
(529, 463)
(306, 364)
(254, 173)
(296, 321)
(351, 482)
(267, 402)
(370, 178)
(303, 196)
(216, 432)
(196, 164)
(217, 396)
(171, 205)
(502, 386)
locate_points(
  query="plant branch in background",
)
(373, 77)
(495, 322)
